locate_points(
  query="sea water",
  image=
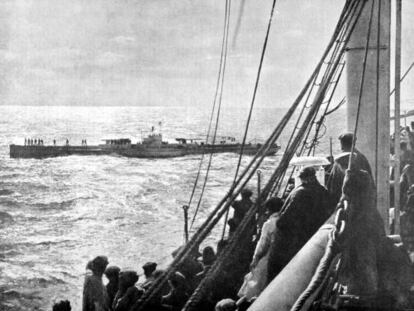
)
(58, 213)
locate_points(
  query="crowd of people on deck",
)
(33, 142)
(40, 142)
(288, 224)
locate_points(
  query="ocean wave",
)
(10, 248)
(10, 203)
(59, 205)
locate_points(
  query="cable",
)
(219, 94)
(245, 176)
(259, 71)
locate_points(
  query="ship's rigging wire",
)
(331, 249)
(217, 98)
(319, 124)
(311, 115)
(256, 87)
(238, 23)
(228, 251)
(276, 187)
(244, 177)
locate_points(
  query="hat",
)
(246, 192)
(112, 271)
(274, 204)
(208, 255)
(151, 266)
(346, 138)
(98, 263)
(128, 277)
(307, 172)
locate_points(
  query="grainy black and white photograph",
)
(206, 155)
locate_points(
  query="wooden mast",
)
(373, 137)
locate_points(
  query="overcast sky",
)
(159, 52)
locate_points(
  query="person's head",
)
(127, 278)
(273, 205)
(112, 273)
(177, 280)
(246, 193)
(346, 141)
(226, 305)
(403, 146)
(307, 174)
(149, 268)
(208, 256)
(98, 265)
(63, 305)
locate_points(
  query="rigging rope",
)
(228, 251)
(256, 86)
(319, 124)
(218, 94)
(343, 211)
(349, 8)
(340, 104)
(245, 176)
(319, 97)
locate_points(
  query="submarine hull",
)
(133, 150)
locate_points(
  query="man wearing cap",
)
(241, 207)
(336, 177)
(148, 268)
(307, 207)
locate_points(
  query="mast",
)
(373, 135)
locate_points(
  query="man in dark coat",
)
(359, 162)
(241, 207)
(304, 211)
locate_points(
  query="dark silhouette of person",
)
(95, 296)
(304, 211)
(178, 295)
(407, 221)
(149, 269)
(208, 259)
(112, 274)
(63, 305)
(241, 207)
(128, 294)
(406, 155)
(336, 177)
(406, 180)
(189, 267)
